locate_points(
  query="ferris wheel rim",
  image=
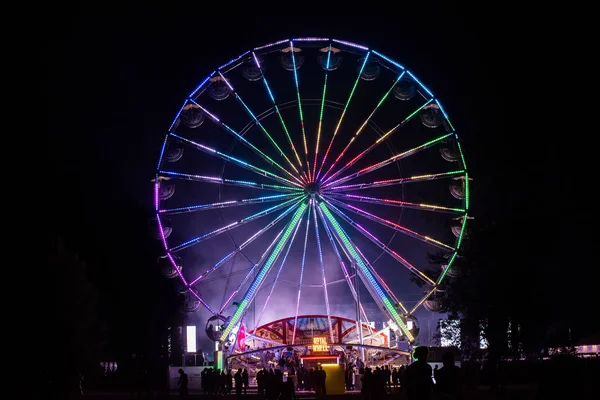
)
(234, 63)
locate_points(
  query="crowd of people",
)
(418, 381)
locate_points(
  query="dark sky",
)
(116, 79)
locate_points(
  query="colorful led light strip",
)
(225, 204)
(366, 273)
(398, 203)
(258, 280)
(360, 129)
(391, 224)
(382, 246)
(322, 265)
(242, 246)
(272, 97)
(272, 288)
(232, 225)
(397, 181)
(251, 271)
(258, 123)
(248, 144)
(321, 112)
(301, 279)
(231, 182)
(390, 160)
(375, 144)
(337, 127)
(234, 160)
(300, 109)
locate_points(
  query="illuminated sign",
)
(320, 344)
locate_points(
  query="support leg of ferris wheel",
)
(358, 320)
(371, 282)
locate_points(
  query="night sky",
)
(114, 81)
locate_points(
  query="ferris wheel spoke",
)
(390, 224)
(373, 284)
(234, 160)
(420, 302)
(347, 276)
(362, 126)
(337, 127)
(251, 271)
(381, 245)
(249, 145)
(225, 204)
(265, 268)
(259, 124)
(272, 288)
(245, 244)
(374, 272)
(397, 203)
(323, 96)
(322, 265)
(374, 144)
(229, 182)
(281, 120)
(234, 225)
(300, 281)
(391, 182)
(201, 300)
(390, 160)
(300, 110)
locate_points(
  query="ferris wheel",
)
(310, 165)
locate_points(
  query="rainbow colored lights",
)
(326, 186)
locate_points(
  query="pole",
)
(358, 319)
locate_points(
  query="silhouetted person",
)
(183, 384)
(245, 379)
(238, 383)
(449, 380)
(419, 385)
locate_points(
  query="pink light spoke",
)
(397, 203)
(380, 244)
(391, 182)
(391, 224)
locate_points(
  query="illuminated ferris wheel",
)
(306, 163)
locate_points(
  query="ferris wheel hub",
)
(312, 189)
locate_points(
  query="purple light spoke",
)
(379, 243)
(300, 281)
(392, 225)
(242, 246)
(230, 182)
(204, 303)
(225, 204)
(278, 272)
(397, 181)
(234, 225)
(327, 307)
(236, 161)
